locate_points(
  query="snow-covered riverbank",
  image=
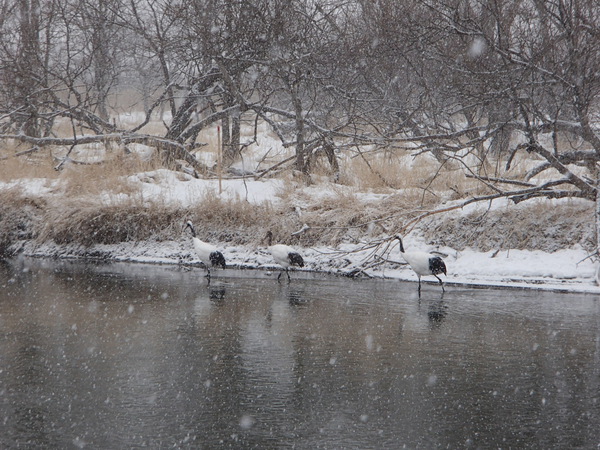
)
(567, 269)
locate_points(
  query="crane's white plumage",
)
(207, 253)
(423, 263)
(284, 255)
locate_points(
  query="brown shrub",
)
(86, 223)
(19, 219)
(535, 226)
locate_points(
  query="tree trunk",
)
(234, 146)
(27, 62)
(301, 163)
(329, 150)
(597, 221)
(225, 138)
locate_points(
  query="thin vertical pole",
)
(219, 159)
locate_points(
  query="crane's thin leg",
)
(288, 274)
(279, 277)
(207, 276)
(419, 283)
(441, 283)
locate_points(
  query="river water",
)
(131, 355)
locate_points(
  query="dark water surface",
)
(127, 356)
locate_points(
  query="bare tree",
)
(483, 78)
(22, 65)
(98, 20)
(539, 65)
(153, 39)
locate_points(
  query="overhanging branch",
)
(179, 150)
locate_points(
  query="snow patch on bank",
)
(565, 270)
(184, 190)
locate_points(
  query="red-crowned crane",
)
(207, 253)
(284, 255)
(423, 263)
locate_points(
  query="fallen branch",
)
(551, 194)
(279, 164)
(500, 180)
(179, 150)
(21, 153)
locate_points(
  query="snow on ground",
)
(166, 187)
(184, 190)
(565, 270)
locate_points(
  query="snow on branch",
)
(179, 150)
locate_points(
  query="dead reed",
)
(20, 216)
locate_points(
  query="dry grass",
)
(33, 165)
(333, 220)
(86, 223)
(341, 213)
(422, 178)
(110, 176)
(82, 221)
(233, 220)
(534, 226)
(19, 218)
(373, 172)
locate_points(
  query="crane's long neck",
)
(191, 227)
(401, 246)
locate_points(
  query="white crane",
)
(284, 255)
(423, 263)
(207, 253)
